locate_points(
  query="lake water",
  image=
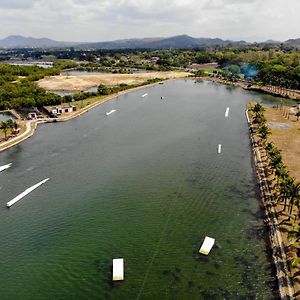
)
(146, 184)
(5, 116)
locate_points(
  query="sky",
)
(105, 20)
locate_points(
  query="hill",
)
(18, 41)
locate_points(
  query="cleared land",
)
(83, 82)
(286, 136)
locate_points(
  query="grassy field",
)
(83, 82)
(286, 136)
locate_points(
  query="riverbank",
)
(271, 90)
(277, 220)
(30, 126)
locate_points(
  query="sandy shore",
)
(83, 82)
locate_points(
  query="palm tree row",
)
(5, 126)
(286, 187)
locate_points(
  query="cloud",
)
(16, 4)
(94, 20)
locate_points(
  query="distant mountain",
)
(271, 42)
(18, 41)
(175, 42)
(294, 42)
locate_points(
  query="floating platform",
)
(219, 148)
(110, 112)
(118, 269)
(5, 167)
(26, 192)
(207, 245)
(227, 112)
(144, 95)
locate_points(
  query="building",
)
(56, 111)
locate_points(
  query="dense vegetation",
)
(262, 65)
(18, 89)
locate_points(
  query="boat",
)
(110, 112)
(207, 245)
(118, 269)
(25, 193)
(144, 95)
(219, 148)
(5, 167)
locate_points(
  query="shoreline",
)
(31, 125)
(279, 255)
(270, 90)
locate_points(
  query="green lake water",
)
(147, 184)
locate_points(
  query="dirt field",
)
(286, 136)
(83, 82)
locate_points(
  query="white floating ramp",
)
(219, 148)
(227, 112)
(2, 168)
(26, 192)
(207, 245)
(144, 95)
(118, 269)
(110, 112)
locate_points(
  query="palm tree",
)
(281, 172)
(258, 108)
(11, 124)
(269, 147)
(264, 132)
(4, 126)
(284, 188)
(259, 119)
(294, 196)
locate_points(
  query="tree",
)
(298, 115)
(103, 90)
(259, 118)
(264, 132)
(4, 126)
(258, 108)
(294, 195)
(284, 187)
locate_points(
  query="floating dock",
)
(207, 245)
(110, 112)
(219, 148)
(2, 168)
(144, 95)
(227, 112)
(26, 192)
(118, 269)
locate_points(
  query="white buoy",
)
(5, 167)
(227, 112)
(144, 95)
(26, 192)
(110, 112)
(207, 245)
(219, 148)
(118, 269)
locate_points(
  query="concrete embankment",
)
(285, 282)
